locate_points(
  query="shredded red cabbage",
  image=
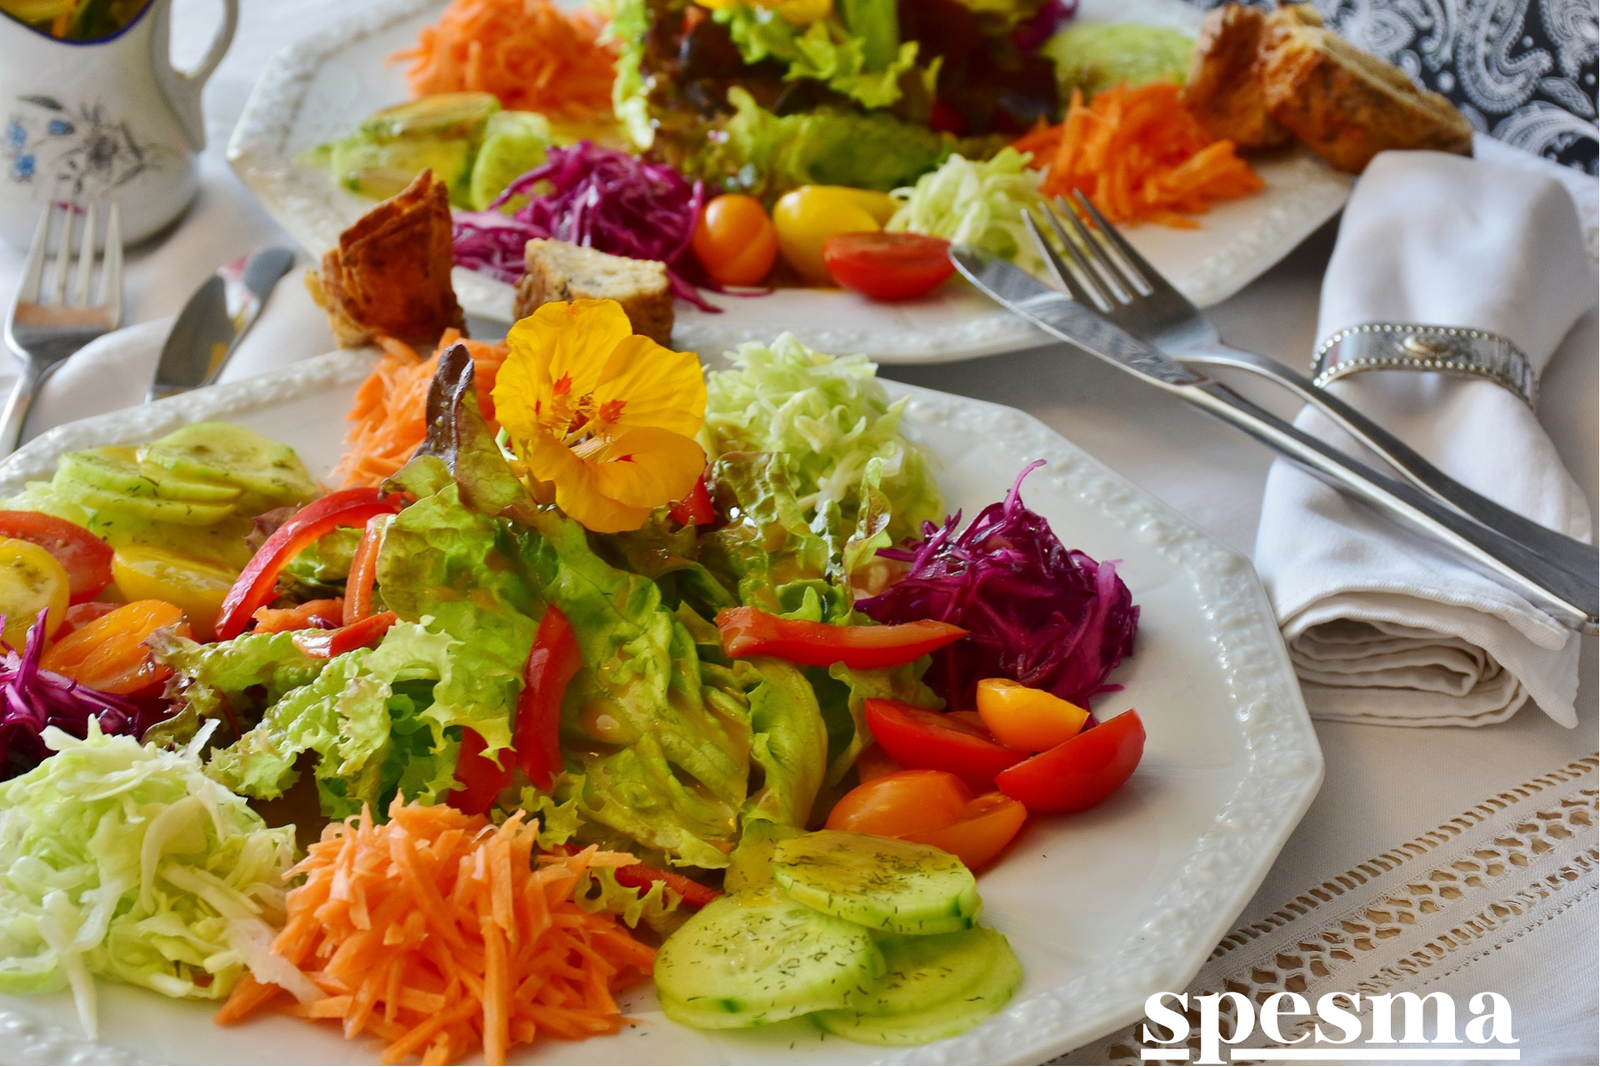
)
(1050, 618)
(32, 698)
(1032, 33)
(599, 198)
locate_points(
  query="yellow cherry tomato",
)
(197, 586)
(879, 205)
(31, 581)
(1031, 720)
(808, 216)
(734, 240)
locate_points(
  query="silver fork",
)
(1107, 274)
(46, 324)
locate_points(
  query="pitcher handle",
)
(183, 87)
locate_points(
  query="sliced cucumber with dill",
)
(935, 987)
(152, 508)
(116, 469)
(222, 452)
(879, 882)
(743, 961)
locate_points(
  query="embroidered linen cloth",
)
(1383, 625)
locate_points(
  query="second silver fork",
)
(47, 324)
(1107, 274)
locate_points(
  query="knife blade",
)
(1572, 598)
(211, 324)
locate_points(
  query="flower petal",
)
(657, 386)
(570, 342)
(647, 467)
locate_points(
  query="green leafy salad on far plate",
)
(595, 669)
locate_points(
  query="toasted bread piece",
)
(1349, 105)
(1224, 90)
(561, 271)
(390, 274)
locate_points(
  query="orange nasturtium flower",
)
(604, 417)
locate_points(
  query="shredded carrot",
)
(530, 53)
(389, 415)
(1139, 155)
(441, 933)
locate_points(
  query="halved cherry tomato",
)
(1081, 772)
(347, 507)
(874, 762)
(198, 586)
(638, 876)
(481, 779)
(888, 266)
(734, 240)
(86, 558)
(753, 632)
(695, 509)
(553, 661)
(109, 653)
(900, 804)
(312, 615)
(31, 582)
(1027, 719)
(81, 615)
(363, 571)
(981, 832)
(916, 737)
(326, 644)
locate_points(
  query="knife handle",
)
(1572, 598)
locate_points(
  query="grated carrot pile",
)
(389, 416)
(436, 932)
(1139, 155)
(529, 53)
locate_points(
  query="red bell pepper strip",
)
(326, 644)
(553, 661)
(363, 573)
(481, 780)
(312, 614)
(695, 509)
(638, 876)
(753, 632)
(347, 507)
(918, 738)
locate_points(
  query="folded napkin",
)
(1383, 625)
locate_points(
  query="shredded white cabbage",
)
(972, 203)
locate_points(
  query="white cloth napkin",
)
(1383, 625)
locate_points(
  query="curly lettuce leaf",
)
(788, 741)
(231, 682)
(822, 51)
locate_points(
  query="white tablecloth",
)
(1453, 859)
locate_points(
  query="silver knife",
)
(1572, 598)
(209, 327)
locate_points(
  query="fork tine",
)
(1095, 252)
(80, 287)
(1152, 279)
(33, 272)
(63, 264)
(1096, 282)
(111, 268)
(1058, 267)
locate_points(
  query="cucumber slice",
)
(750, 867)
(181, 512)
(744, 961)
(879, 882)
(117, 470)
(222, 452)
(937, 987)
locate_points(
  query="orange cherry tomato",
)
(1030, 720)
(904, 803)
(874, 762)
(734, 240)
(109, 653)
(985, 827)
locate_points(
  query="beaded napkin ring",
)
(1401, 346)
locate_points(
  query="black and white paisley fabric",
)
(1522, 71)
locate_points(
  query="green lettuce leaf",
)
(823, 51)
(232, 682)
(788, 741)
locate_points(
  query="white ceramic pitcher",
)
(107, 120)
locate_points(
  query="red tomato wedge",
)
(481, 779)
(553, 661)
(753, 632)
(347, 507)
(326, 644)
(1081, 772)
(85, 558)
(916, 737)
(900, 804)
(695, 509)
(981, 832)
(888, 266)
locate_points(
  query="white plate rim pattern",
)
(297, 199)
(1218, 874)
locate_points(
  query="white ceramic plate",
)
(1104, 908)
(322, 88)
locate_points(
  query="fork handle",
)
(1572, 598)
(1571, 553)
(15, 416)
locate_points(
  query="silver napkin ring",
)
(1402, 346)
